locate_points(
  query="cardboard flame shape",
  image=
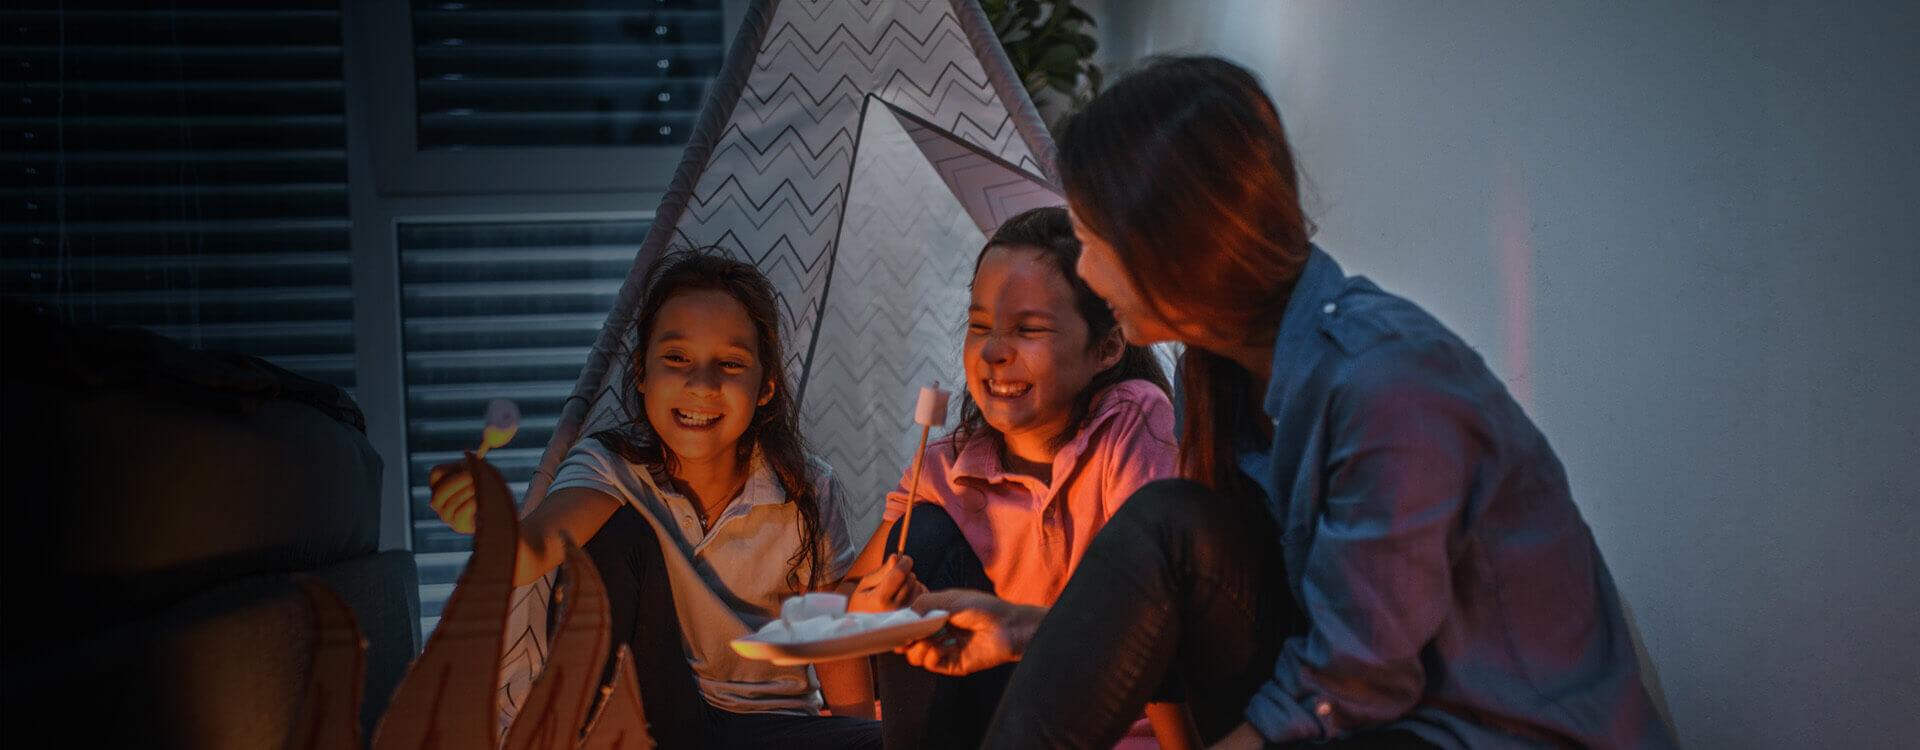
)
(446, 701)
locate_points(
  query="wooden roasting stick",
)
(929, 411)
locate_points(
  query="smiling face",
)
(702, 375)
(1027, 355)
(1100, 267)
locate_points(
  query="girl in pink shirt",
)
(1061, 422)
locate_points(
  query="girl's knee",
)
(1181, 507)
(623, 547)
(931, 527)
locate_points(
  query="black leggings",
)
(626, 552)
(919, 708)
(1182, 592)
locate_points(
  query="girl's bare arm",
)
(577, 511)
(873, 554)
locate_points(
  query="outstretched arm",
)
(982, 631)
(577, 511)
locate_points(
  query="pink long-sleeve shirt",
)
(1030, 532)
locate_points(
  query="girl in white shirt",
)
(702, 514)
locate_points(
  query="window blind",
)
(183, 170)
(520, 73)
(495, 310)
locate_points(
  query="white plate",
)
(845, 647)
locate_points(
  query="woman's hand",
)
(982, 631)
(891, 587)
(453, 497)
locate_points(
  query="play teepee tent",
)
(858, 152)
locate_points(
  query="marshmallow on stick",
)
(929, 411)
(503, 420)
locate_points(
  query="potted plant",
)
(1048, 43)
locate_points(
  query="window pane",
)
(192, 182)
(523, 73)
(495, 310)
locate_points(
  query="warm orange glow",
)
(495, 437)
(503, 421)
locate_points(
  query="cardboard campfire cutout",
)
(858, 152)
(446, 700)
(557, 708)
(329, 717)
(620, 724)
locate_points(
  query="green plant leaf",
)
(1056, 17)
(1086, 44)
(1061, 60)
(1045, 42)
(1035, 83)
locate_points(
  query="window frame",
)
(400, 168)
(390, 182)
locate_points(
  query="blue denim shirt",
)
(1429, 535)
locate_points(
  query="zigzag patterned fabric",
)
(858, 152)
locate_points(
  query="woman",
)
(1372, 546)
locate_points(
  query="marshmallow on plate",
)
(822, 616)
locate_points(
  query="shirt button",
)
(1324, 709)
(1329, 308)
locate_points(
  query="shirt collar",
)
(761, 488)
(980, 461)
(1321, 280)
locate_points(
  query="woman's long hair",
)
(1050, 232)
(1184, 169)
(775, 430)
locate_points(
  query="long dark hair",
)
(775, 430)
(1184, 169)
(1049, 231)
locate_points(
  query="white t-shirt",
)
(730, 580)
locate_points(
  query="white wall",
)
(1685, 234)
